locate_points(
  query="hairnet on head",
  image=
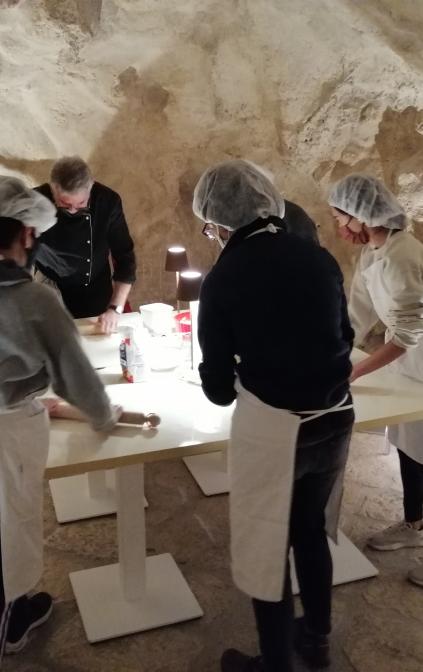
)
(368, 200)
(19, 202)
(234, 193)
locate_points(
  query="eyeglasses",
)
(209, 231)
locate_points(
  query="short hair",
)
(71, 174)
(10, 229)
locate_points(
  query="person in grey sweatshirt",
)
(39, 347)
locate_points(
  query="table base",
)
(74, 500)
(349, 564)
(107, 614)
(210, 473)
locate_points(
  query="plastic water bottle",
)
(134, 355)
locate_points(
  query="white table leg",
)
(210, 471)
(85, 496)
(349, 564)
(138, 593)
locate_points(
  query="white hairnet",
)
(19, 202)
(234, 193)
(369, 201)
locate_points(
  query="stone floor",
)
(378, 623)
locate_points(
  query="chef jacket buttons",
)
(88, 259)
(88, 242)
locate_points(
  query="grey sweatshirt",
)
(39, 346)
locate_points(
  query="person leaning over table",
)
(91, 227)
(275, 336)
(388, 286)
(39, 346)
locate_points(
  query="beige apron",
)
(261, 468)
(24, 440)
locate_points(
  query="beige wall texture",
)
(151, 92)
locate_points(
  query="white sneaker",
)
(416, 575)
(400, 535)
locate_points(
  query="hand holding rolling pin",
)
(60, 409)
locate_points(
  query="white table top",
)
(383, 398)
(190, 423)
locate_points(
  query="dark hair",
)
(71, 174)
(9, 231)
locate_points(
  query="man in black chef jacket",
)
(90, 239)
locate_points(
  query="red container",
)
(183, 321)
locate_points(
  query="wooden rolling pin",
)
(66, 412)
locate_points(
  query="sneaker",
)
(40, 607)
(313, 648)
(235, 661)
(400, 535)
(416, 575)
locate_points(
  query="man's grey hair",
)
(71, 174)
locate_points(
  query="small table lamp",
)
(189, 290)
(176, 262)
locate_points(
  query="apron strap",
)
(341, 406)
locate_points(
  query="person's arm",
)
(108, 321)
(347, 330)
(217, 370)
(405, 288)
(124, 263)
(71, 374)
(363, 316)
(383, 356)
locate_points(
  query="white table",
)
(143, 593)
(380, 399)
(94, 494)
(138, 593)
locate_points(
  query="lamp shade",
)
(189, 286)
(176, 259)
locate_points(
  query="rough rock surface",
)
(152, 92)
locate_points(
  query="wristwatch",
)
(117, 309)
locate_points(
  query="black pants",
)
(412, 481)
(322, 452)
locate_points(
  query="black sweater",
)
(277, 301)
(83, 244)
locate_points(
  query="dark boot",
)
(235, 661)
(313, 648)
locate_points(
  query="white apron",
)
(408, 437)
(261, 462)
(24, 440)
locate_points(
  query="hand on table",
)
(51, 405)
(58, 408)
(108, 321)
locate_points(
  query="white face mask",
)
(220, 240)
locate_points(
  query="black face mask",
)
(74, 215)
(32, 254)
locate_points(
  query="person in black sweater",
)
(273, 319)
(90, 234)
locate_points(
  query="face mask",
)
(32, 254)
(361, 238)
(74, 215)
(220, 241)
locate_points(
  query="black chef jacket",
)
(83, 245)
